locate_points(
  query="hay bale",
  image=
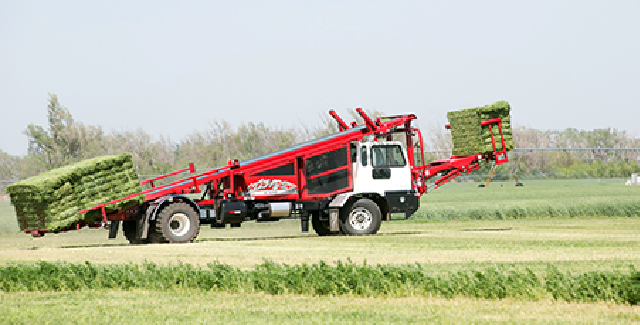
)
(469, 137)
(52, 199)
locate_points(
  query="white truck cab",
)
(381, 175)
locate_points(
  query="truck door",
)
(381, 167)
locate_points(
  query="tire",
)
(362, 217)
(321, 227)
(178, 223)
(129, 228)
(153, 236)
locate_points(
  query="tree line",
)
(65, 140)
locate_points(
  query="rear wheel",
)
(362, 217)
(154, 236)
(178, 223)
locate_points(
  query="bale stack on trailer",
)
(469, 137)
(50, 201)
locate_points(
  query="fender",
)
(162, 202)
(340, 200)
(165, 200)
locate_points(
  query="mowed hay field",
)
(440, 245)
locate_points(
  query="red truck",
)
(344, 183)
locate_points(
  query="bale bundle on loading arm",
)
(50, 201)
(469, 137)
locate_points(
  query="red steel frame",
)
(233, 175)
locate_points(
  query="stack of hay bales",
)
(50, 201)
(469, 137)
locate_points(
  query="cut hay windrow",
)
(52, 199)
(469, 137)
(323, 279)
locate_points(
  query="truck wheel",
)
(153, 236)
(321, 227)
(131, 232)
(178, 223)
(362, 217)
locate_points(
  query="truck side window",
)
(335, 160)
(387, 156)
(354, 153)
(363, 155)
(326, 161)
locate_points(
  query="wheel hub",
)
(179, 224)
(360, 218)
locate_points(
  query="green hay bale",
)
(52, 199)
(469, 137)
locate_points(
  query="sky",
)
(173, 67)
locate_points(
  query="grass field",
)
(580, 244)
(8, 222)
(537, 199)
(590, 243)
(196, 307)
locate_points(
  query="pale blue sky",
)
(171, 67)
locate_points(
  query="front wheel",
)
(178, 223)
(363, 217)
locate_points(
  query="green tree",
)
(65, 141)
(54, 147)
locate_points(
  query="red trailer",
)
(344, 183)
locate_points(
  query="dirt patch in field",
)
(4, 198)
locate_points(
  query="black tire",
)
(321, 227)
(130, 230)
(362, 217)
(178, 223)
(153, 236)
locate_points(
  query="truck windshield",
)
(387, 156)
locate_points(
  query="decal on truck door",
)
(272, 187)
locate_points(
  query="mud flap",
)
(334, 218)
(113, 229)
(143, 226)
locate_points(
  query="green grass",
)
(8, 221)
(198, 307)
(323, 279)
(537, 199)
